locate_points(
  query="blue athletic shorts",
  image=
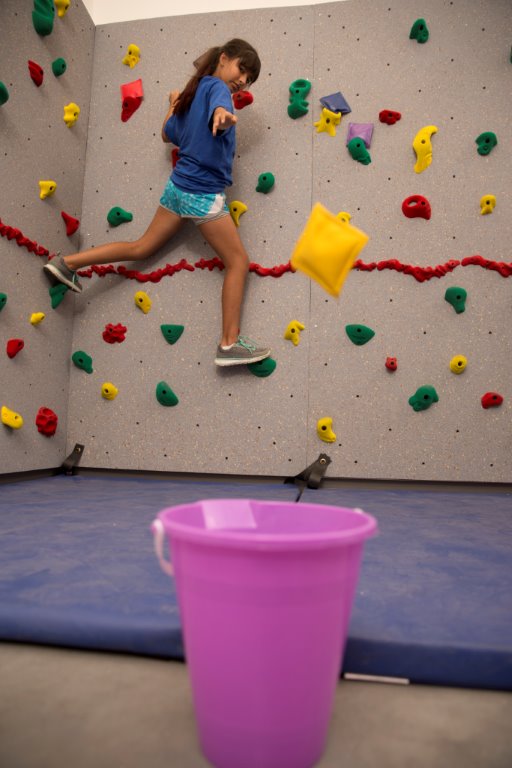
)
(198, 208)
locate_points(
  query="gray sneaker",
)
(242, 352)
(57, 268)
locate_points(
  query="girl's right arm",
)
(173, 97)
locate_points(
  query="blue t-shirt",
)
(205, 161)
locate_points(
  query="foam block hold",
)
(37, 317)
(172, 333)
(422, 145)
(491, 400)
(114, 334)
(43, 16)
(4, 93)
(237, 209)
(36, 73)
(328, 122)
(327, 249)
(132, 56)
(165, 395)
(336, 102)
(419, 31)
(292, 332)
(14, 346)
(82, 360)
(109, 391)
(263, 368)
(458, 364)
(265, 182)
(298, 106)
(487, 204)
(416, 206)
(242, 99)
(59, 66)
(389, 116)
(391, 364)
(57, 293)
(3, 300)
(362, 131)
(72, 224)
(423, 398)
(456, 296)
(46, 188)
(117, 216)
(132, 95)
(486, 142)
(71, 113)
(11, 418)
(142, 301)
(358, 151)
(324, 430)
(46, 421)
(359, 334)
(62, 7)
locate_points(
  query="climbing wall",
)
(36, 144)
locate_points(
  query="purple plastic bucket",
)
(265, 591)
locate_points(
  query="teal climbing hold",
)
(419, 31)
(3, 300)
(359, 334)
(358, 151)
(43, 16)
(456, 297)
(4, 93)
(486, 142)
(165, 395)
(423, 398)
(172, 333)
(117, 216)
(263, 368)
(82, 360)
(265, 182)
(298, 106)
(57, 293)
(59, 66)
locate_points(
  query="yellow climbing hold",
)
(109, 391)
(37, 317)
(328, 122)
(133, 55)
(344, 217)
(11, 418)
(143, 301)
(293, 330)
(71, 113)
(487, 204)
(236, 209)
(423, 147)
(324, 430)
(458, 364)
(47, 188)
(327, 249)
(62, 6)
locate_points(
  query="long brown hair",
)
(207, 64)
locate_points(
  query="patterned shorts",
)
(198, 208)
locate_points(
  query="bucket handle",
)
(158, 539)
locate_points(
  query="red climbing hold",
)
(242, 99)
(36, 73)
(416, 206)
(175, 156)
(114, 333)
(46, 421)
(389, 116)
(132, 95)
(14, 346)
(491, 400)
(72, 224)
(391, 363)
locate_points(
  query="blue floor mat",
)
(433, 601)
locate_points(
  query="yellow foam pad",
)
(327, 249)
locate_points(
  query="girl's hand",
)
(222, 119)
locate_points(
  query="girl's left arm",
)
(173, 98)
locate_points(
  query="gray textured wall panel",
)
(36, 144)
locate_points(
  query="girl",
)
(200, 121)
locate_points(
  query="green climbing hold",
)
(59, 66)
(298, 106)
(4, 93)
(82, 360)
(117, 216)
(165, 395)
(486, 142)
(57, 293)
(423, 398)
(359, 334)
(3, 300)
(43, 16)
(172, 333)
(357, 149)
(419, 31)
(265, 182)
(457, 298)
(263, 368)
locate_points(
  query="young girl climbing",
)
(200, 121)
